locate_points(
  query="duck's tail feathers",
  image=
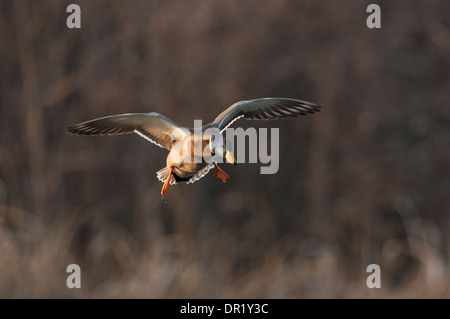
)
(163, 173)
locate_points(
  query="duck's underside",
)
(169, 177)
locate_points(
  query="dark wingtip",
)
(315, 108)
(310, 107)
(70, 130)
(75, 130)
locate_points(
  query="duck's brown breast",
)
(187, 156)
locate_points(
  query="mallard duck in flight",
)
(161, 131)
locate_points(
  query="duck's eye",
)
(213, 153)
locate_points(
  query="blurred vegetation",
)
(365, 181)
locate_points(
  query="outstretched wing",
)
(264, 109)
(154, 127)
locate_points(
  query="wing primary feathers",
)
(154, 127)
(263, 109)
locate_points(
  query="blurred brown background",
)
(364, 181)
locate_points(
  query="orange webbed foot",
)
(166, 183)
(220, 173)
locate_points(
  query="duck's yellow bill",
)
(229, 157)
